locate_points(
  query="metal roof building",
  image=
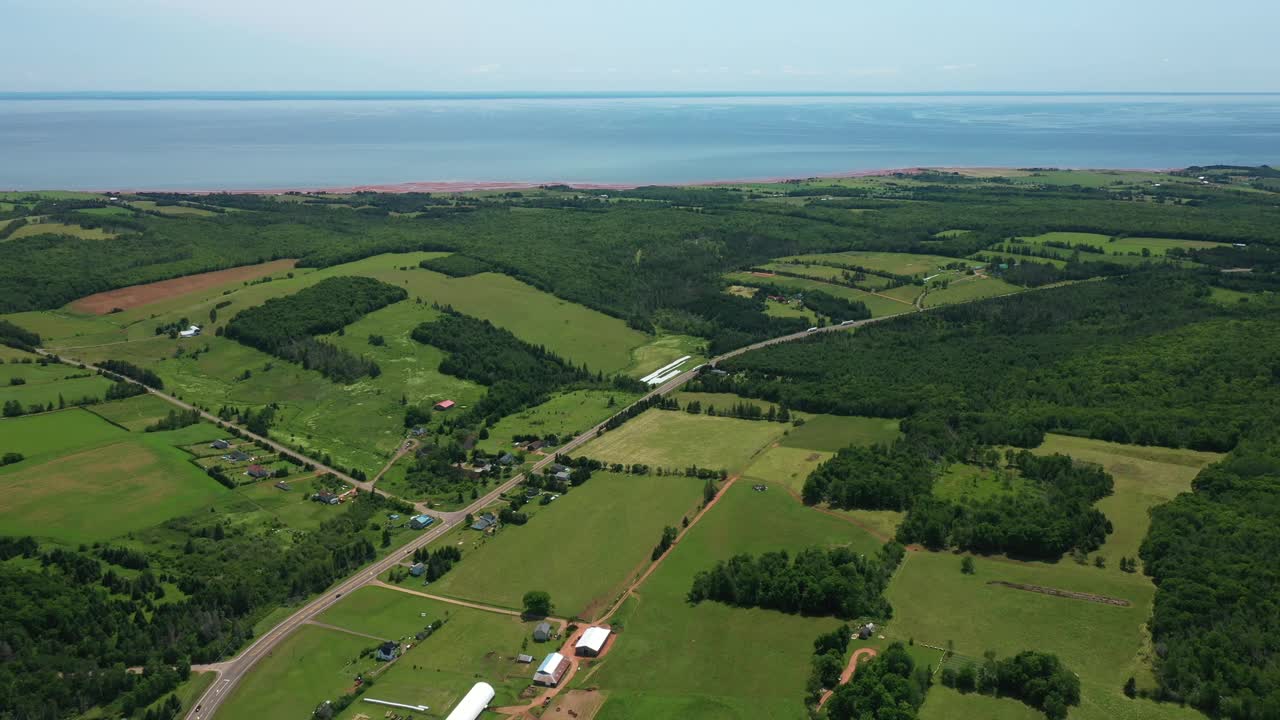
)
(551, 670)
(592, 641)
(473, 703)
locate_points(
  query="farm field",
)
(629, 510)
(832, 432)
(973, 287)
(312, 665)
(676, 439)
(563, 415)
(785, 466)
(677, 660)
(1128, 248)
(134, 413)
(58, 228)
(890, 262)
(175, 210)
(1145, 476)
(786, 310)
(110, 483)
(879, 306)
(826, 273)
(49, 384)
(943, 703)
(472, 645)
(935, 603)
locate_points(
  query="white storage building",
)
(473, 703)
(591, 642)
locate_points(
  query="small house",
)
(563, 476)
(542, 633)
(387, 651)
(535, 445)
(417, 570)
(866, 631)
(557, 467)
(393, 517)
(237, 456)
(325, 497)
(257, 471)
(444, 404)
(524, 659)
(420, 522)
(507, 459)
(484, 522)
(418, 431)
(282, 485)
(220, 445)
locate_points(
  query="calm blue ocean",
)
(281, 141)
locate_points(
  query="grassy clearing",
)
(134, 413)
(44, 436)
(175, 210)
(46, 384)
(1124, 250)
(472, 645)
(668, 439)
(711, 660)
(890, 262)
(943, 703)
(312, 665)
(785, 466)
(961, 482)
(262, 503)
(1145, 476)
(789, 310)
(935, 603)
(879, 306)
(564, 415)
(99, 489)
(973, 287)
(556, 548)
(833, 432)
(57, 228)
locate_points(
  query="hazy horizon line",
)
(578, 94)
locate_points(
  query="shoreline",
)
(461, 186)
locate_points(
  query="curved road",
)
(232, 671)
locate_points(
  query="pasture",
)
(827, 273)
(174, 210)
(1114, 248)
(134, 413)
(312, 665)
(877, 304)
(943, 703)
(49, 384)
(967, 288)
(59, 228)
(98, 485)
(890, 262)
(583, 573)
(472, 645)
(833, 432)
(935, 603)
(1145, 476)
(676, 439)
(564, 415)
(712, 660)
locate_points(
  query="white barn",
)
(591, 642)
(473, 703)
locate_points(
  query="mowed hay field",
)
(134, 413)
(1126, 247)
(877, 304)
(107, 484)
(1145, 476)
(943, 703)
(967, 288)
(583, 548)
(312, 665)
(934, 603)
(564, 415)
(676, 440)
(473, 645)
(58, 228)
(45, 384)
(711, 660)
(890, 262)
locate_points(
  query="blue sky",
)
(921, 45)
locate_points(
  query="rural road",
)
(849, 669)
(232, 671)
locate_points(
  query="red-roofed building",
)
(444, 404)
(258, 471)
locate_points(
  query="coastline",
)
(461, 186)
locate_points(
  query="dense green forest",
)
(286, 327)
(1212, 554)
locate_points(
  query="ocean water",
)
(264, 141)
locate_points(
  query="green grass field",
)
(57, 228)
(134, 413)
(826, 273)
(312, 665)
(44, 384)
(1129, 248)
(789, 310)
(175, 210)
(473, 645)
(961, 482)
(890, 262)
(564, 415)
(711, 660)
(785, 466)
(676, 440)
(833, 432)
(100, 481)
(943, 703)
(879, 306)
(935, 603)
(1144, 476)
(561, 549)
(967, 288)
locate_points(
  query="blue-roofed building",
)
(421, 522)
(484, 522)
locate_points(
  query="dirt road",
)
(849, 669)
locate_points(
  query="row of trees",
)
(815, 582)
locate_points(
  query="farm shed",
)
(473, 703)
(524, 659)
(551, 670)
(420, 522)
(444, 404)
(220, 445)
(542, 633)
(591, 642)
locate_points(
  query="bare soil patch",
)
(580, 704)
(1056, 592)
(142, 295)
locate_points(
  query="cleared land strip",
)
(327, 626)
(1056, 592)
